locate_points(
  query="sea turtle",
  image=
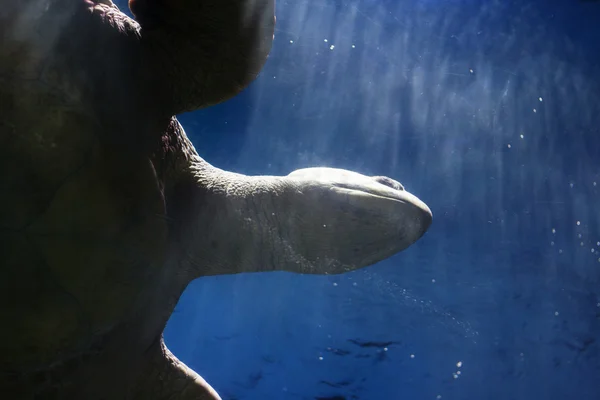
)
(107, 212)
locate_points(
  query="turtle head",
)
(312, 221)
(342, 220)
(197, 53)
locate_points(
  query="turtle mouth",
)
(382, 193)
(378, 195)
(398, 205)
(379, 187)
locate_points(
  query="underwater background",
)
(489, 111)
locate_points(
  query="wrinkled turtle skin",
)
(107, 212)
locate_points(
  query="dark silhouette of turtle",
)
(107, 212)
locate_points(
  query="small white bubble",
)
(559, 251)
(571, 184)
(439, 396)
(335, 284)
(325, 40)
(455, 376)
(385, 349)
(508, 145)
(581, 244)
(540, 99)
(354, 284)
(551, 243)
(598, 305)
(457, 372)
(578, 223)
(412, 356)
(579, 235)
(553, 230)
(556, 313)
(320, 358)
(459, 364)
(331, 47)
(433, 281)
(522, 136)
(594, 183)
(324, 225)
(353, 46)
(471, 71)
(534, 110)
(592, 250)
(597, 243)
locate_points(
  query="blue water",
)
(489, 111)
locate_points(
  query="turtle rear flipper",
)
(165, 377)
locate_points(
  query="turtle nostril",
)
(389, 182)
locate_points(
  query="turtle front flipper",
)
(164, 376)
(197, 53)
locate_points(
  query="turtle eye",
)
(389, 182)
